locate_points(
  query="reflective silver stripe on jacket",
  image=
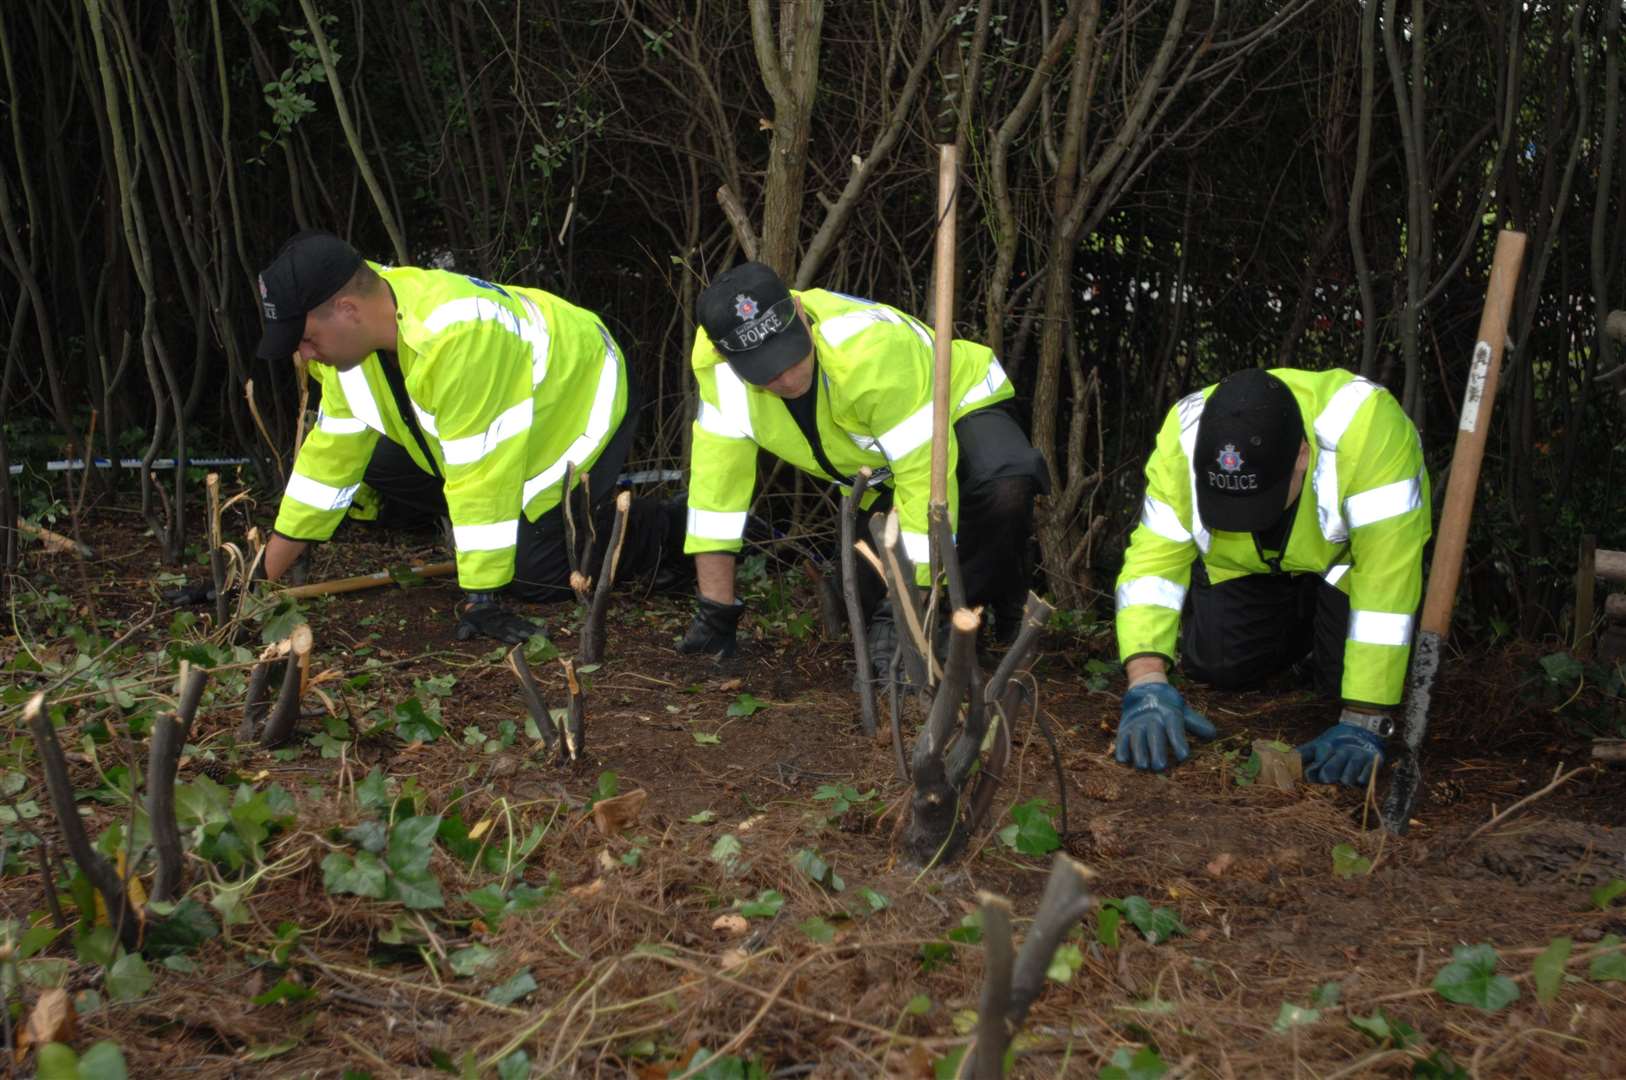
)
(1385, 501)
(716, 524)
(598, 424)
(360, 397)
(1190, 411)
(1163, 520)
(1156, 591)
(732, 399)
(314, 493)
(1379, 628)
(1330, 426)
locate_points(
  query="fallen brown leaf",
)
(614, 816)
(51, 1021)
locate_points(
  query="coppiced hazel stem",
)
(592, 643)
(1008, 991)
(1066, 900)
(163, 755)
(532, 693)
(934, 828)
(279, 727)
(855, 607)
(986, 1059)
(575, 729)
(255, 705)
(900, 586)
(217, 557)
(91, 863)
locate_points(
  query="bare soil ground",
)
(631, 977)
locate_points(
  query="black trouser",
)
(1240, 632)
(654, 529)
(999, 473)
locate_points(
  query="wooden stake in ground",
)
(943, 348)
(1450, 541)
(360, 582)
(592, 642)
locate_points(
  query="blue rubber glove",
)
(1155, 719)
(1345, 753)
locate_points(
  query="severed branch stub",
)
(163, 756)
(1011, 985)
(217, 555)
(278, 720)
(962, 752)
(574, 731)
(934, 829)
(592, 639)
(532, 693)
(92, 864)
(579, 547)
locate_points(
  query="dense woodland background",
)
(1153, 193)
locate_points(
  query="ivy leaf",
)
(1144, 1064)
(1065, 963)
(512, 990)
(1106, 926)
(1291, 1016)
(703, 817)
(129, 978)
(412, 842)
(414, 724)
(746, 705)
(819, 930)
(466, 961)
(1035, 830)
(876, 901)
(1610, 965)
(706, 738)
(370, 835)
(765, 906)
(1607, 893)
(373, 793)
(417, 889)
(726, 851)
(1348, 863)
(1470, 979)
(283, 991)
(1549, 968)
(516, 1066)
(362, 875)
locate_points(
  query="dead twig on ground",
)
(1559, 779)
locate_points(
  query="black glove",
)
(712, 630)
(192, 594)
(480, 613)
(202, 591)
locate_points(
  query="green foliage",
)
(1384, 1029)
(842, 797)
(392, 864)
(1608, 893)
(746, 705)
(1156, 924)
(103, 1061)
(1290, 1016)
(511, 991)
(1548, 968)
(1144, 1064)
(1609, 963)
(765, 906)
(1471, 979)
(820, 872)
(495, 905)
(1348, 863)
(1034, 831)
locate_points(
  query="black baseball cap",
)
(750, 316)
(308, 270)
(1247, 444)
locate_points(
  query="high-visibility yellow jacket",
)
(1362, 520)
(508, 385)
(874, 376)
